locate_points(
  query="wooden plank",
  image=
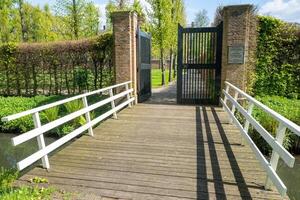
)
(160, 152)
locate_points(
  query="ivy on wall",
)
(67, 67)
(278, 58)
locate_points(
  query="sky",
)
(288, 10)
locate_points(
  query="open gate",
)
(143, 65)
(199, 65)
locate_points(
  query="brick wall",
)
(239, 28)
(124, 31)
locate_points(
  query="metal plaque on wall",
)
(236, 54)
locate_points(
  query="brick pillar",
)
(124, 32)
(239, 30)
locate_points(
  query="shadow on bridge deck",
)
(156, 151)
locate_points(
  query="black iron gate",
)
(199, 65)
(143, 65)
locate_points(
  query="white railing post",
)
(225, 98)
(280, 133)
(87, 115)
(41, 139)
(247, 123)
(111, 94)
(236, 95)
(128, 95)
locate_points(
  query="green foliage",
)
(56, 68)
(7, 178)
(13, 105)
(8, 192)
(66, 129)
(38, 180)
(156, 78)
(28, 193)
(163, 24)
(22, 22)
(289, 108)
(74, 106)
(278, 58)
(80, 18)
(51, 114)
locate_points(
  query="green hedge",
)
(66, 67)
(289, 108)
(278, 58)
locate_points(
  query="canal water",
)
(9, 156)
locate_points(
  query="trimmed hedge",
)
(278, 58)
(289, 108)
(67, 67)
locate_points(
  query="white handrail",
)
(287, 123)
(275, 143)
(38, 109)
(39, 130)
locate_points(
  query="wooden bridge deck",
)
(159, 152)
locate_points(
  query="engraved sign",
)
(236, 54)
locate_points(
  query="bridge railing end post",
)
(280, 133)
(41, 139)
(87, 116)
(113, 105)
(127, 86)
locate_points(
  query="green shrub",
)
(65, 130)
(289, 108)
(74, 106)
(7, 177)
(51, 114)
(13, 105)
(28, 193)
(8, 192)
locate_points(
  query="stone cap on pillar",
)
(238, 9)
(239, 6)
(123, 13)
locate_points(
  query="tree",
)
(114, 6)
(178, 17)
(161, 21)
(165, 16)
(201, 19)
(24, 29)
(8, 24)
(218, 16)
(76, 14)
(91, 18)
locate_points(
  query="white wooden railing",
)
(40, 129)
(275, 143)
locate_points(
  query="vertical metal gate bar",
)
(179, 64)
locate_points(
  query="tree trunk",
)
(162, 65)
(23, 23)
(170, 65)
(75, 20)
(174, 66)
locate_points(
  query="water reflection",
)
(10, 155)
(291, 177)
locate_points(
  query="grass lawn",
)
(156, 77)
